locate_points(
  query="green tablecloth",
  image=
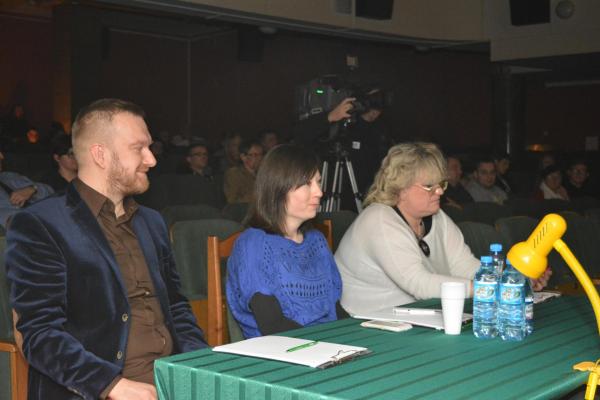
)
(417, 364)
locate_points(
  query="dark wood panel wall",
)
(195, 83)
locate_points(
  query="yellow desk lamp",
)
(531, 259)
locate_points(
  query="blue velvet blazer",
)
(66, 287)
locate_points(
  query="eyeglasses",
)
(199, 155)
(433, 188)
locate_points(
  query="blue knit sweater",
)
(303, 277)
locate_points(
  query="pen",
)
(302, 346)
(415, 311)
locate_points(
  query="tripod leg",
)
(352, 177)
(326, 193)
(331, 200)
(340, 184)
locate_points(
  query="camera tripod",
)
(332, 198)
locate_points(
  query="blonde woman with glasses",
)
(402, 246)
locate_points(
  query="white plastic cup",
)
(453, 302)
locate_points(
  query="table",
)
(417, 364)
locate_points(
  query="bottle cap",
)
(497, 247)
(486, 259)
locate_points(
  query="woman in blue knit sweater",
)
(281, 274)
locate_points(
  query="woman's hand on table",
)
(541, 282)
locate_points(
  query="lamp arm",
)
(583, 278)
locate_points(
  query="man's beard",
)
(121, 183)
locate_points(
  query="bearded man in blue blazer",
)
(93, 280)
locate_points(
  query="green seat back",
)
(515, 229)
(6, 327)
(235, 211)
(485, 212)
(479, 236)
(174, 214)
(190, 251)
(340, 222)
(235, 332)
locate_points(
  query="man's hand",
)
(341, 111)
(541, 282)
(131, 390)
(19, 197)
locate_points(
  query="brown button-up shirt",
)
(148, 338)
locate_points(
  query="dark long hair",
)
(286, 167)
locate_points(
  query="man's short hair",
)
(247, 144)
(483, 160)
(97, 115)
(192, 146)
(103, 110)
(61, 145)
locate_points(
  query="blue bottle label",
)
(511, 293)
(485, 291)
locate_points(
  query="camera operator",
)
(364, 137)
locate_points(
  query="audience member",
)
(577, 184)
(66, 171)
(197, 162)
(93, 279)
(268, 139)
(229, 155)
(502, 163)
(551, 185)
(239, 180)
(15, 126)
(455, 195)
(281, 274)
(17, 191)
(483, 185)
(401, 247)
(546, 160)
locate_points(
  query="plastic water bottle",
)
(511, 307)
(528, 307)
(485, 300)
(497, 257)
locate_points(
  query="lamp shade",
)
(531, 257)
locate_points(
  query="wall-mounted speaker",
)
(375, 9)
(529, 12)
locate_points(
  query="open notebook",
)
(430, 320)
(293, 350)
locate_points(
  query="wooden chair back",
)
(216, 333)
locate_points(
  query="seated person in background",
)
(546, 160)
(66, 171)
(268, 139)
(239, 181)
(229, 155)
(17, 191)
(502, 163)
(455, 195)
(551, 186)
(483, 185)
(577, 184)
(281, 274)
(401, 247)
(197, 162)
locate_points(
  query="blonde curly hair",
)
(401, 167)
